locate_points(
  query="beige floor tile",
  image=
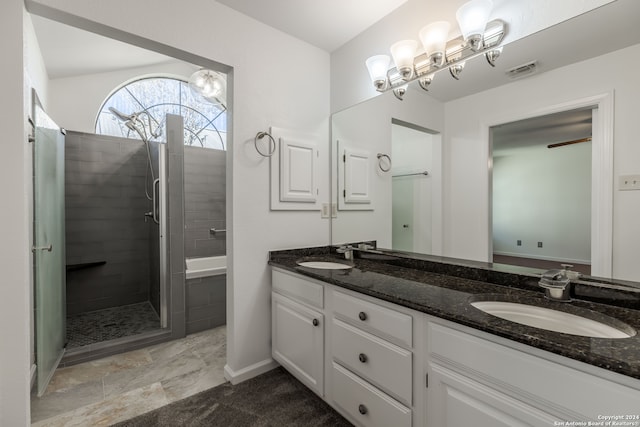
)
(72, 376)
(110, 411)
(191, 383)
(119, 387)
(165, 369)
(67, 399)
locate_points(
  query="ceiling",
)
(69, 51)
(538, 132)
(327, 24)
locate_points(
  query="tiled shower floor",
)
(117, 322)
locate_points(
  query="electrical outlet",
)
(539, 244)
(326, 210)
(629, 182)
(519, 243)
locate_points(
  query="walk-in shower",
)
(115, 235)
(122, 274)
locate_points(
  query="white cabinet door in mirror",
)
(354, 178)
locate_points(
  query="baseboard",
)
(236, 377)
(543, 258)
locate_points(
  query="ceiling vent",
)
(523, 70)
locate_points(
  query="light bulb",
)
(403, 53)
(378, 66)
(434, 41)
(472, 18)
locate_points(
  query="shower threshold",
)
(110, 331)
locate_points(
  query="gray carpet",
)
(273, 399)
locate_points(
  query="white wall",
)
(368, 126)
(74, 102)
(466, 172)
(14, 220)
(543, 195)
(350, 83)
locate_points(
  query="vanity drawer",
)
(364, 403)
(298, 288)
(386, 365)
(390, 324)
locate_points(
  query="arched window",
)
(205, 122)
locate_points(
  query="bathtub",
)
(205, 267)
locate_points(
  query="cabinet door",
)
(298, 170)
(454, 400)
(298, 341)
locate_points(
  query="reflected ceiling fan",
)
(575, 141)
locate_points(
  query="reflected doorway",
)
(412, 151)
(541, 187)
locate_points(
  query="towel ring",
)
(272, 143)
(380, 157)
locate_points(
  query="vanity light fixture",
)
(479, 37)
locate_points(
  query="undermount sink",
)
(324, 265)
(554, 320)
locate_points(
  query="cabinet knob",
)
(362, 357)
(315, 322)
(362, 409)
(362, 316)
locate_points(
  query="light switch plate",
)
(334, 210)
(629, 182)
(326, 210)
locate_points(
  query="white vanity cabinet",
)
(380, 364)
(480, 382)
(298, 328)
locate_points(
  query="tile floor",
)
(106, 391)
(110, 323)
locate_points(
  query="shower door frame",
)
(162, 230)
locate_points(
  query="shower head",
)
(122, 116)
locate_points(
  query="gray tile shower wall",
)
(206, 303)
(204, 186)
(105, 202)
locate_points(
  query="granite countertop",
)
(446, 290)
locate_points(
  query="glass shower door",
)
(49, 246)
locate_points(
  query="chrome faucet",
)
(347, 250)
(557, 282)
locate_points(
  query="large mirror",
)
(582, 65)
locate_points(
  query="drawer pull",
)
(362, 316)
(315, 322)
(362, 409)
(362, 357)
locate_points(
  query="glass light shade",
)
(434, 37)
(378, 66)
(473, 16)
(403, 53)
(209, 84)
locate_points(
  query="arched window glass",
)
(151, 99)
